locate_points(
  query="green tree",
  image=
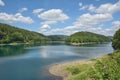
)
(116, 40)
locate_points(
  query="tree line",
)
(11, 34)
(83, 37)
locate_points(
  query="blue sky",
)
(65, 17)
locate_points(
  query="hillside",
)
(11, 34)
(84, 37)
(105, 67)
(57, 37)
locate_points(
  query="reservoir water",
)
(30, 62)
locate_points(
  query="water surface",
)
(30, 62)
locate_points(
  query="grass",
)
(105, 68)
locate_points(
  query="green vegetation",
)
(84, 37)
(106, 68)
(10, 34)
(116, 40)
(56, 37)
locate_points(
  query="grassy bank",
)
(104, 68)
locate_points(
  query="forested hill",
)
(83, 37)
(57, 37)
(11, 34)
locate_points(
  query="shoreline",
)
(58, 69)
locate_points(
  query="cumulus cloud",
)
(48, 22)
(106, 8)
(108, 31)
(37, 11)
(114, 28)
(92, 22)
(85, 22)
(53, 15)
(18, 17)
(88, 20)
(23, 9)
(83, 7)
(91, 8)
(45, 27)
(2, 3)
(99, 30)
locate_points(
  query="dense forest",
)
(11, 34)
(57, 37)
(116, 40)
(83, 37)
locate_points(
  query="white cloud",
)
(108, 31)
(53, 15)
(91, 8)
(18, 17)
(37, 11)
(45, 27)
(92, 22)
(83, 7)
(85, 22)
(80, 4)
(114, 28)
(23, 9)
(88, 20)
(107, 8)
(48, 22)
(2, 3)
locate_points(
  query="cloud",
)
(107, 8)
(53, 15)
(88, 20)
(48, 22)
(23, 9)
(2, 3)
(108, 31)
(45, 27)
(37, 11)
(85, 22)
(83, 7)
(91, 8)
(99, 30)
(114, 28)
(80, 4)
(18, 17)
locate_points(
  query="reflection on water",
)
(8, 50)
(29, 62)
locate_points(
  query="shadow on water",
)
(11, 50)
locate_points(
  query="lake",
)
(30, 62)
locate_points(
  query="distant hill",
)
(110, 37)
(83, 37)
(57, 37)
(11, 34)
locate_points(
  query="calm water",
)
(30, 62)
